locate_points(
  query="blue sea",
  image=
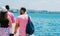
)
(45, 24)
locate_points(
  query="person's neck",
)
(23, 14)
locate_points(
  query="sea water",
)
(45, 24)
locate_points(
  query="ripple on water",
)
(46, 27)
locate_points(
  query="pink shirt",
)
(11, 16)
(22, 22)
(10, 22)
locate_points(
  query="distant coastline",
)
(37, 11)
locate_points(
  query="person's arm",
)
(16, 27)
(13, 19)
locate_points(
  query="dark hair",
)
(7, 7)
(3, 15)
(24, 9)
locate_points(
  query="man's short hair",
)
(24, 9)
(7, 7)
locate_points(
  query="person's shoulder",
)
(19, 17)
(11, 13)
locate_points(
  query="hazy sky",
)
(53, 5)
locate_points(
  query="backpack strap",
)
(28, 18)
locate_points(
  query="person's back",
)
(22, 20)
(5, 23)
(10, 14)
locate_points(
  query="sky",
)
(51, 5)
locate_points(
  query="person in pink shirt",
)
(11, 15)
(21, 22)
